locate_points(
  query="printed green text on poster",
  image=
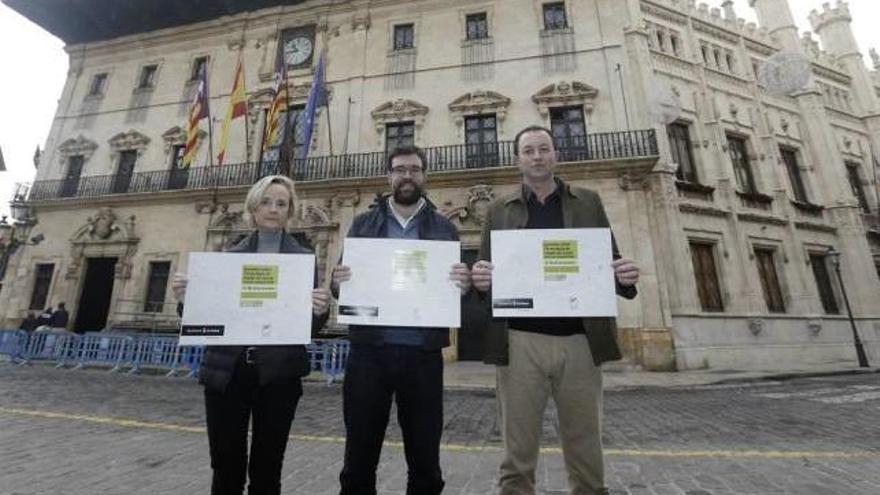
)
(560, 259)
(409, 269)
(259, 283)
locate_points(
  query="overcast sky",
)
(34, 67)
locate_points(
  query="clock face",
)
(297, 50)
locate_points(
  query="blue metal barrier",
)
(154, 352)
(316, 355)
(328, 356)
(13, 343)
(102, 348)
(138, 352)
(190, 358)
(60, 347)
(66, 350)
(36, 347)
(338, 358)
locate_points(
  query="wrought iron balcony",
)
(593, 147)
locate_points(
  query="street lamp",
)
(9, 243)
(860, 350)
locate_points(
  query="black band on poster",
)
(202, 330)
(514, 303)
(359, 311)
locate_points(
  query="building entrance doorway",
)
(94, 299)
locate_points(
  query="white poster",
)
(248, 299)
(553, 272)
(400, 282)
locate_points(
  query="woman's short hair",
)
(256, 192)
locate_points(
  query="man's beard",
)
(409, 197)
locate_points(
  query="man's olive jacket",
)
(581, 208)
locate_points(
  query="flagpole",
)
(247, 133)
(327, 103)
(210, 120)
(247, 107)
(287, 124)
(213, 172)
(329, 128)
(262, 142)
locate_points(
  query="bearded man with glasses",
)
(400, 363)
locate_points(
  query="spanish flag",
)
(197, 112)
(237, 108)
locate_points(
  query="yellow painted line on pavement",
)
(104, 420)
(755, 454)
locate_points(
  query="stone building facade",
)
(727, 196)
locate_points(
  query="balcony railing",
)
(604, 146)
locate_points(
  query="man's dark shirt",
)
(60, 318)
(546, 216)
(29, 324)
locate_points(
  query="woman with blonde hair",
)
(265, 382)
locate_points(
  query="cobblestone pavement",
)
(92, 432)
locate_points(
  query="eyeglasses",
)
(406, 171)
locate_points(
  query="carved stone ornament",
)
(733, 110)
(455, 214)
(131, 140)
(104, 235)
(565, 94)
(125, 141)
(347, 200)
(481, 196)
(77, 257)
(236, 44)
(477, 103)
(229, 220)
(103, 224)
(400, 110)
(226, 228)
(476, 211)
(76, 147)
(299, 93)
(176, 136)
(756, 326)
(314, 215)
(360, 21)
(123, 267)
(629, 182)
(258, 101)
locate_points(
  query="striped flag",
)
(237, 108)
(317, 97)
(275, 120)
(197, 112)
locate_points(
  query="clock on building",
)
(299, 46)
(297, 50)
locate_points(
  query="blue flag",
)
(317, 97)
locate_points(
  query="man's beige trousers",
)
(543, 366)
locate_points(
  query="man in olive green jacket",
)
(542, 357)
